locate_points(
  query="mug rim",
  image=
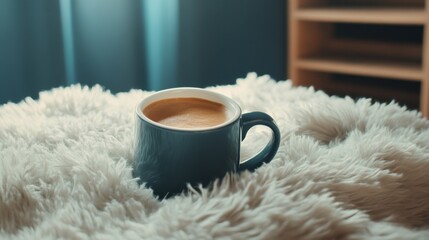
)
(215, 97)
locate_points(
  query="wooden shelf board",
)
(364, 15)
(404, 70)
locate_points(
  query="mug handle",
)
(249, 120)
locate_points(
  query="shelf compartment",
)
(394, 34)
(375, 48)
(395, 69)
(370, 15)
(379, 89)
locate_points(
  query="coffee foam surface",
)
(187, 112)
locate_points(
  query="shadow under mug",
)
(167, 158)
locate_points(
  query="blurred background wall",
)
(147, 44)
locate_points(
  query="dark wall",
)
(225, 39)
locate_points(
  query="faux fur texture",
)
(345, 169)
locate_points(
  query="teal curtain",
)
(46, 44)
(147, 44)
(161, 28)
(30, 44)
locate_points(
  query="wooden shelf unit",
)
(317, 53)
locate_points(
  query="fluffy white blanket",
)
(345, 169)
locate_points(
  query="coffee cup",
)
(193, 136)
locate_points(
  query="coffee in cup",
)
(186, 113)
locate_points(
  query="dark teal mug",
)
(166, 158)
